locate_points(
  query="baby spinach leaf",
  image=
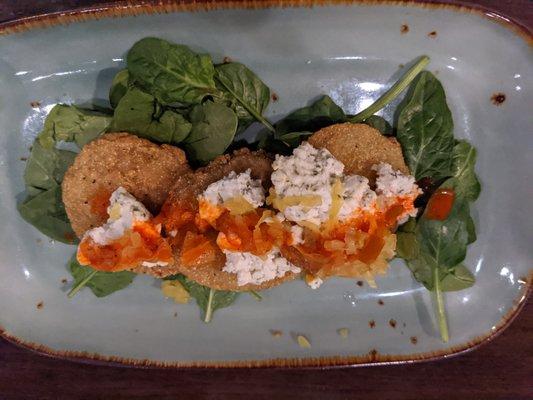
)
(425, 129)
(458, 278)
(139, 112)
(451, 279)
(72, 124)
(172, 73)
(464, 160)
(379, 123)
(101, 283)
(213, 128)
(267, 142)
(293, 139)
(393, 92)
(407, 246)
(46, 212)
(119, 87)
(471, 230)
(321, 113)
(209, 300)
(45, 167)
(248, 94)
(444, 242)
(44, 207)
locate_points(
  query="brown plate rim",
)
(373, 358)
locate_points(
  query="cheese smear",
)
(123, 210)
(251, 269)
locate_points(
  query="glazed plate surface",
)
(350, 52)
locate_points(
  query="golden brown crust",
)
(186, 190)
(359, 147)
(143, 168)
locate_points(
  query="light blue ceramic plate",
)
(352, 53)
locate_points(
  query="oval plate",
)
(351, 52)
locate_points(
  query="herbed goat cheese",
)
(256, 270)
(313, 172)
(235, 185)
(307, 172)
(123, 210)
(357, 195)
(392, 183)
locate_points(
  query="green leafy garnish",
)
(101, 283)
(321, 113)
(213, 128)
(379, 123)
(172, 73)
(140, 113)
(46, 212)
(45, 167)
(248, 94)
(119, 87)
(72, 124)
(433, 249)
(393, 92)
(425, 129)
(464, 179)
(209, 300)
(43, 208)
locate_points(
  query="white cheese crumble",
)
(297, 235)
(123, 210)
(393, 183)
(309, 171)
(312, 172)
(357, 195)
(236, 185)
(256, 270)
(149, 264)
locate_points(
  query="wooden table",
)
(503, 369)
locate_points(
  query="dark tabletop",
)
(502, 369)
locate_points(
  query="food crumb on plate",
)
(392, 323)
(40, 305)
(381, 302)
(414, 340)
(432, 34)
(276, 333)
(343, 332)
(372, 324)
(404, 28)
(303, 342)
(64, 281)
(176, 291)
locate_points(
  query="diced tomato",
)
(371, 249)
(197, 248)
(142, 243)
